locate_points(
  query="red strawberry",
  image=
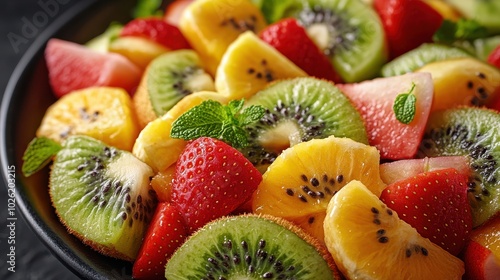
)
(174, 11)
(212, 179)
(494, 57)
(407, 23)
(157, 30)
(480, 263)
(165, 234)
(291, 40)
(435, 203)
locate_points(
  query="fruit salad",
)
(250, 139)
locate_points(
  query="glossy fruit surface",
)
(435, 203)
(72, 66)
(211, 180)
(375, 101)
(103, 113)
(369, 241)
(165, 234)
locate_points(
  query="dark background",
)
(33, 259)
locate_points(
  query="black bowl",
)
(27, 96)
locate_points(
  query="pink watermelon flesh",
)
(395, 171)
(374, 100)
(72, 66)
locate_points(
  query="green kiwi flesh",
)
(472, 132)
(480, 48)
(174, 75)
(247, 247)
(420, 56)
(102, 195)
(349, 33)
(485, 12)
(298, 110)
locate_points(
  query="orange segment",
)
(103, 113)
(368, 241)
(301, 181)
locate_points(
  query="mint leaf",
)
(405, 106)
(251, 115)
(38, 154)
(463, 29)
(446, 32)
(146, 8)
(235, 106)
(212, 119)
(205, 119)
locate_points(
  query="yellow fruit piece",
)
(301, 181)
(368, 241)
(154, 145)
(211, 25)
(140, 51)
(444, 9)
(162, 183)
(464, 81)
(488, 235)
(103, 113)
(249, 65)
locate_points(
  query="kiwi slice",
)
(472, 132)
(420, 56)
(485, 12)
(298, 110)
(349, 33)
(250, 247)
(480, 48)
(168, 79)
(173, 76)
(102, 195)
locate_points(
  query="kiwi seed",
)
(241, 24)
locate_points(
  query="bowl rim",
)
(29, 58)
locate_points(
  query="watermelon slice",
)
(72, 66)
(374, 100)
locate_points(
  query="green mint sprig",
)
(212, 119)
(146, 8)
(38, 154)
(463, 29)
(405, 106)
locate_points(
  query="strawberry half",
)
(291, 40)
(165, 234)
(480, 262)
(157, 30)
(407, 23)
(212, 179)
(435, 203)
